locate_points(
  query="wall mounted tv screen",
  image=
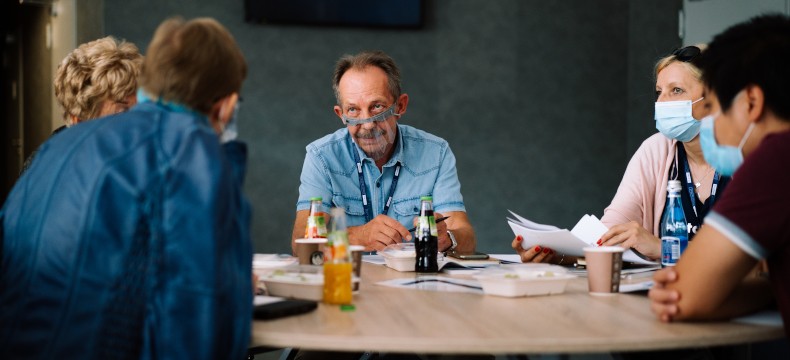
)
(364, 13)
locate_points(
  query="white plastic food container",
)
(402, 256)
(307, 286)
(524, 280)
(263, 264)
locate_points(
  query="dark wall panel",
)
(533, 97)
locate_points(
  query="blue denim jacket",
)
(427, 168)
(128, 237)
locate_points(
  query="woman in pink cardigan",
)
(635, 213)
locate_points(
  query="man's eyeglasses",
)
(687, 54)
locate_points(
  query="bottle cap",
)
(426, 198)
(673, 185)
(316, 198)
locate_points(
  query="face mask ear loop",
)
(746, 136)
(677, 170)
(696, 101)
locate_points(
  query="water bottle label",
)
(670, 250)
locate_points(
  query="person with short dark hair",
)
(748, 136)
(128, 237)
(377, 169)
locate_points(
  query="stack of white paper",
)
(586, 233)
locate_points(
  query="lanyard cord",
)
(690, 184)
(363, 190)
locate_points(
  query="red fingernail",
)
(537, 248)
(599, 242)
(519, 238)
(546, 250)
(551, 252)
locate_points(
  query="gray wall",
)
(543, 102)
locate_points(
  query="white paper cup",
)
(603, 269)
(310, 251)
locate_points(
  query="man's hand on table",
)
(378, 233)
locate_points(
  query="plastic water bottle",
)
(674, 232)
(337, 264)
(426, 244)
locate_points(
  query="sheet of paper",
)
(264, 299)
(586, 233)
(589, 229)
(640, 286)
(561, 241)
(435, 283)
(533, 225)
(507, 258)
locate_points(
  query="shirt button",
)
(378, 184)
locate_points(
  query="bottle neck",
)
(426, 205)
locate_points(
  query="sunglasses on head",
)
(686, 54)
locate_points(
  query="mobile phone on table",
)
(469, 256)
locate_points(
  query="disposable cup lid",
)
(311, 241)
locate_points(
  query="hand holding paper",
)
(586, 233)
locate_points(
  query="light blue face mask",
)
(724, 158)
(231, 130)
(674, 119)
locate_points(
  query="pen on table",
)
(443, 218)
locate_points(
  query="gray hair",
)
(364, 59)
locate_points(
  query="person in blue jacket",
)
(128, 237)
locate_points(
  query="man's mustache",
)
(371, 134)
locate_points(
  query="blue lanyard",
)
(363, 189)
(690, 185)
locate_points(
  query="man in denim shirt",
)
(388, 164)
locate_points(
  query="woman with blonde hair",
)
(97, 79)
(674, 153)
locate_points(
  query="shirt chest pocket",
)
(355, 212)
(405, 210)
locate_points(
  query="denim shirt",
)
(427, 168)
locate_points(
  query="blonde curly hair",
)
(103, 69)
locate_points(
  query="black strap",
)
(690, 184)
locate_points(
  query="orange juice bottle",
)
(316, 221)
(337, 264)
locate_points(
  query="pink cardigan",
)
(643, 191)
